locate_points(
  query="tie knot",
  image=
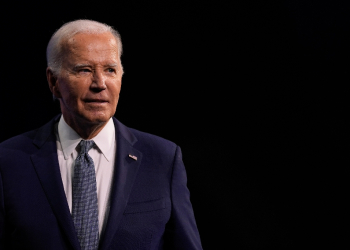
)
(85, 146)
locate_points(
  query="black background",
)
(255, 93)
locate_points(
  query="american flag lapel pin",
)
(133, 157)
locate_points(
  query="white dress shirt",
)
(103, 155)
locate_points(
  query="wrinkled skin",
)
(89, 82)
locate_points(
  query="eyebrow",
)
(78, 66)
(82, 65)
(111, 65)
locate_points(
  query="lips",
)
(95, 100)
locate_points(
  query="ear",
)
(52, 80)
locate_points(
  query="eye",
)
(111, 70)
(84, 70)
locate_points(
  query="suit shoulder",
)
(16, 149)
(19, 141)
(27, 141)
(153, 141)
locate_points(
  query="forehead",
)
(91, 46)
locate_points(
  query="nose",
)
(98, 81)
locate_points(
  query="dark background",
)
(255, 93)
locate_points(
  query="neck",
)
(85, 130)
(89, 132)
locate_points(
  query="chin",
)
(98, 119)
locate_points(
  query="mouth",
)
(97, 101)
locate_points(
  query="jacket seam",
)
(172, 179)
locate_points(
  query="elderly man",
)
(84, 180)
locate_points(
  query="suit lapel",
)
(127, 164)
(46, 165)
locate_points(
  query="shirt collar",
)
(69, 139)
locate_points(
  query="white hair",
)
(54, 52)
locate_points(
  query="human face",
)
(89, 82)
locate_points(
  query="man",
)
(84, 180)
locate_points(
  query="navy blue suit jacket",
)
(149, 204)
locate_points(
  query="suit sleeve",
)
(181, 231)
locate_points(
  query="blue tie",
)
(84, 208)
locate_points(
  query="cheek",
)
(73, 89)
(70, 94)
(115, 89)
